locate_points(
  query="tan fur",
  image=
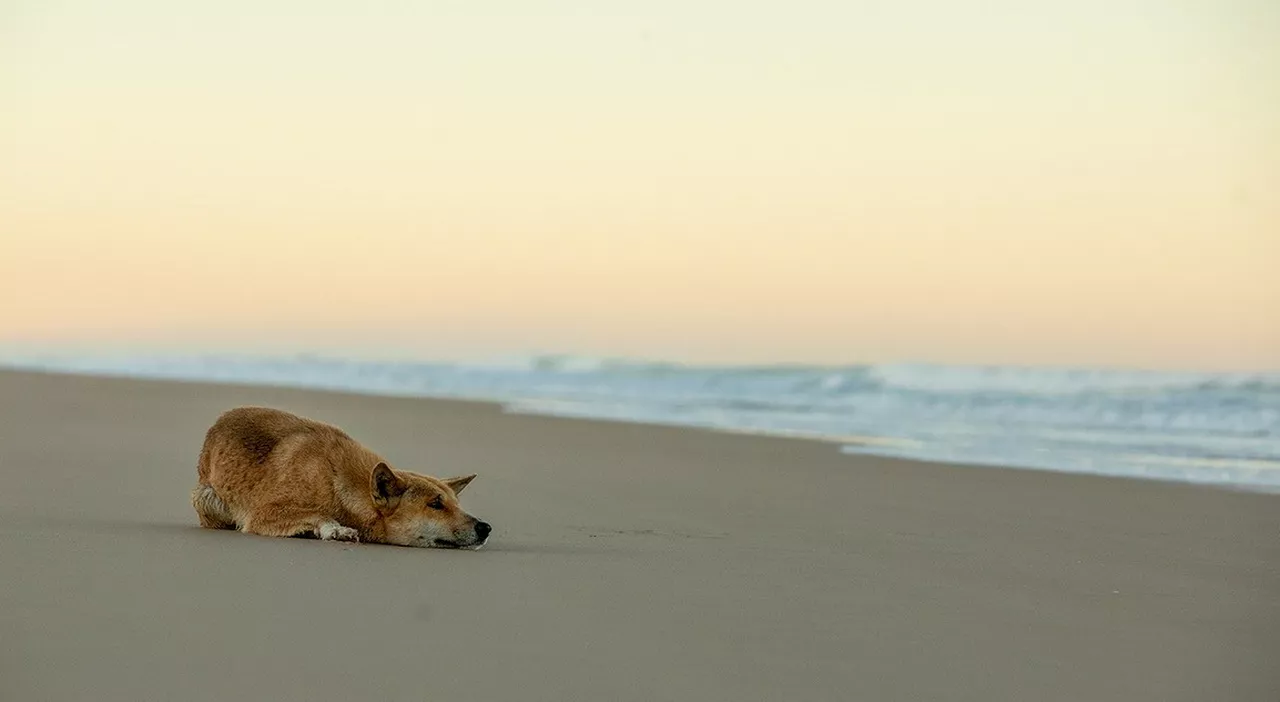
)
(265, 471)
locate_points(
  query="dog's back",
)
(243, 440)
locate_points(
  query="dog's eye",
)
(436, 503)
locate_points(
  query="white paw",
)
(331, 531)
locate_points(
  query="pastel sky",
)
(1081, 182)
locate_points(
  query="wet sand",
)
(628, 563)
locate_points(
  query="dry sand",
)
(628, 563)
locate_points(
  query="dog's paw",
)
(337, 532)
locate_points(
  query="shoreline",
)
(845, 445)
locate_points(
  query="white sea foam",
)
(1200, 427)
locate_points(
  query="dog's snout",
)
(482, 530)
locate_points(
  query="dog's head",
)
(419, 510)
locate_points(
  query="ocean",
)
(1213, 428)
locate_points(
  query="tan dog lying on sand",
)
(265, 471)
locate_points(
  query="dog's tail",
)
(213, 512)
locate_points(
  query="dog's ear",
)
(385, 484)
(456, 484)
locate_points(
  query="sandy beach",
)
(628, 563)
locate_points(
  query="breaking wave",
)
(1201, 427)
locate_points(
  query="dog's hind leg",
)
(213, 512)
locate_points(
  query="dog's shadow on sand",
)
(596, 540)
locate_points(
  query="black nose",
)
(482, 530)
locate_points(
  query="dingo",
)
(265, 471)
